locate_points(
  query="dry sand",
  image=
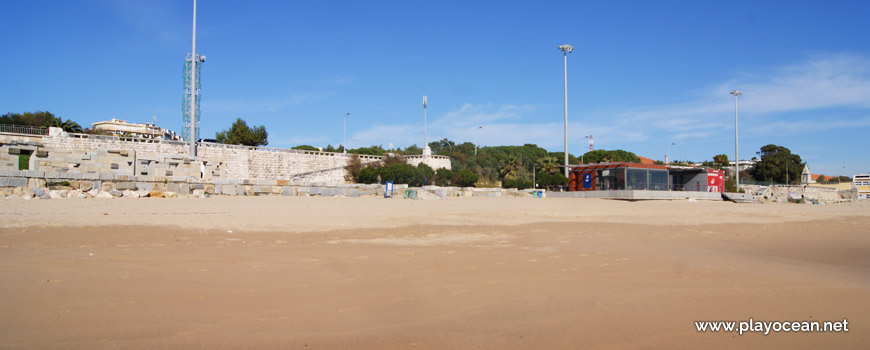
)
(371, 273)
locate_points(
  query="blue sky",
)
(643, 73)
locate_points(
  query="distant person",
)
(379, 179)
(698, 185)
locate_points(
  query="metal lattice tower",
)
(190, 91)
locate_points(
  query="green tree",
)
(42, 119)
(465, 178)
(240, 134)
(602, 156)
(720, 161)
(306, 148)
(443, 177)
(354, 165)
(778, 165)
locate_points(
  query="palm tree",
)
(548, 164)
(510, 167)
(71, 126)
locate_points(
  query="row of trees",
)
(506, 166)
(395, 169)
(40, 119)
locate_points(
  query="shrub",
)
(465, 178)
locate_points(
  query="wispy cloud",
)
(157, 18)
(773, 101)
(334, 81)
(260, 105)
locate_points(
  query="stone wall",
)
(33, 184)
(809, 194)
(61, 152)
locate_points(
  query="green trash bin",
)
(407, 194)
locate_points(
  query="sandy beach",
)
(373, 273)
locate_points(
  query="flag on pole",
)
(424, 101)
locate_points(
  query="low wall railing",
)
(225, 146)
(125, 139)
(23, 129)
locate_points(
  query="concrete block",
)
(107, 176)
(198, 186)
(82, 185)
(13, 182)
(288, 191)
(35, 182)
(108, 187)
(353, 192)
(209, 188)
(90, 176)
(121, 186)
(32, 173)
(179, 188)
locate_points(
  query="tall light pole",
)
(475, 139)
(344, 143)
(583, 156)
(668, 156)
(193, 89)
(736, 150)
(426, 150)
(566, 49)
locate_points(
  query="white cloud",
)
(773, 101)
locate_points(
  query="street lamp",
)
(583, 156)
(668, 156)
(736, 150)
(566, 49)
(193, 87)
(475, 139)
(426, 150)
(344, 143)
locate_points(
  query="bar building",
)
(619, 176)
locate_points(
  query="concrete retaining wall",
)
(81, 153)
(41, 184)
(782, 193)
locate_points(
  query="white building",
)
(861, 183)
(123, 128)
